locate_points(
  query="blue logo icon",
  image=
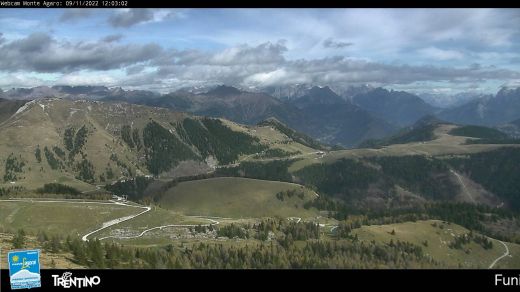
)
(24, 269)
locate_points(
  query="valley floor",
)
(134, 225)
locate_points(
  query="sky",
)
(420, 50)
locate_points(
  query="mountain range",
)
(488, 110)
(319, 113)
(356, 114)
(85, 141)
(447, 100)
(398, 107)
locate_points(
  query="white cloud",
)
(87, 78)
(267, 78)
(440, 54)
(240, 47)
(11, 80)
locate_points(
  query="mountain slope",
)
(479, 132)
(91, 142)
(9, 107)
(487, 111)
(334, 120)
(398, 107)
(296, 136)
(238, 198)
(343, 124)
(512, 128)
(422, 130)
(320, 113)
(318, 95)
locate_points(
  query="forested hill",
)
(421, 131)
(90, 142)
(296, 136)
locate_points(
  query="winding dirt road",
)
(213, 222)
(500, 257)
(112, 222)
(117, 220)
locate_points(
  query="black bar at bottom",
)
(242, 280)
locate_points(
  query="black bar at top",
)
(253, 4)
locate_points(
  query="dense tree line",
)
(163, 149)
(345, 227)
(483, 241)
(193, 132)
(275, 152)
(13, 167)
(51, 159)
(346, 178)
(350, 179)
(125, 169)
(232, 231)
(281, 253)
(136, 139)
(19, 239)
(201, 228)
(337, 182)
(59, 152)
(212, 137)
(461, 240)
(498, 171)
(264, 228)
(135, 187)
(299, 193)
(464, 214)
(109, 173)
(11, 190)
(56, 188)
(163, 187)
(79, 140)
(428, 177)
(419, 134)
(494, 141)
(237, 142)
(74, 140)
(51, 243)
(486, 135)
(68, 138)
(295, 136)
(337, 209)
(85, 171)
(126, 135)
(467, 215)
(132, 188)
(38, 154)
(301, 231)
(312, 254)
(287, 231)
(273, 170)
(479, 132)
(470, 216)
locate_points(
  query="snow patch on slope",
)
(24, 107)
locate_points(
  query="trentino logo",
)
(24, 269)
(66, 281)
